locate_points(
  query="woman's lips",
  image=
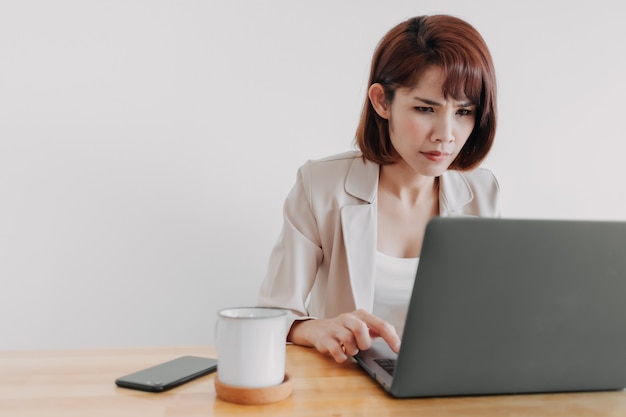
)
(436, 156)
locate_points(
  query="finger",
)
(347, 339)
(338, 343)
(360, 338)
(336, 350)
(381, 328)
(351, 350)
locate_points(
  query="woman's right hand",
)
(344, 335)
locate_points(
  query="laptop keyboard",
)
(387, 364)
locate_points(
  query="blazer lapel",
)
(359, 230)
(455, 193)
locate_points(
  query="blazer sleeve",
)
(296, 256)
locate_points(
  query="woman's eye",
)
(424, 109)
(464, 112)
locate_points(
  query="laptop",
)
(511, 306)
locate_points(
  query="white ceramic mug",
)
(250, 344)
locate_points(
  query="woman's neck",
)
(408, 187)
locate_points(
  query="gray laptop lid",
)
(516, 306)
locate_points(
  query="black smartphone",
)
(169, 374)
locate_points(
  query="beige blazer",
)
(323, 262)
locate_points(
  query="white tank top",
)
(394, 278)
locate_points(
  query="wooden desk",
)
(81, 383)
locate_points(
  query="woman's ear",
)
(376, 94)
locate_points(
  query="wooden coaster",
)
(254, 396)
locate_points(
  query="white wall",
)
(146, 147)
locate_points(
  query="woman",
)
(345, 261)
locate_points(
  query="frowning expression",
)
(426, 128)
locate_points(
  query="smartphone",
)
(169, 374)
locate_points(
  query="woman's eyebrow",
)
(427, 101)
(436, 103)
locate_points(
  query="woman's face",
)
(426, 128)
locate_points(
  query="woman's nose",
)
(443, 129)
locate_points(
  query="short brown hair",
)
(400, 59)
